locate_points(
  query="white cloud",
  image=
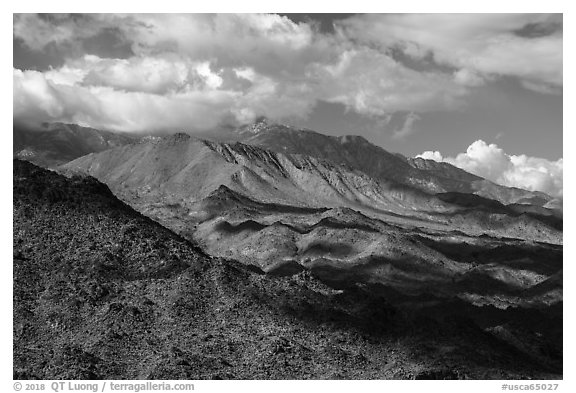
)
(33, 96)
(152, 95)
(367, 83)
(238, 67)
(37, 98)
(431, 155)
(493, 163)
(150, 75)
(467, 77)
(477, 45)
(371, 82)
(271, 44)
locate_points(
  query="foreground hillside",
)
(101, 291)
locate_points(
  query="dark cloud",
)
(25, 58)
(325, 22)
(108, 43)
(552, 24)
(47, 41)
(424, 63)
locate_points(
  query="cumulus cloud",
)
(245, 65)
(493, 163)
(195, 71)
(148, 75)
(431, 155)
(37, 98)
(265, 41)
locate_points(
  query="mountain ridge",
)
(59, 143)
(182, 165)
(356, 151)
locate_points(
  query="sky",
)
(481, 91)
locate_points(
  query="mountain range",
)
(356, 152)
(299, 209)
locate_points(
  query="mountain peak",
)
(352, 139)
(261, 120)
(178, 137)
(260, 124)
(263, 124)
